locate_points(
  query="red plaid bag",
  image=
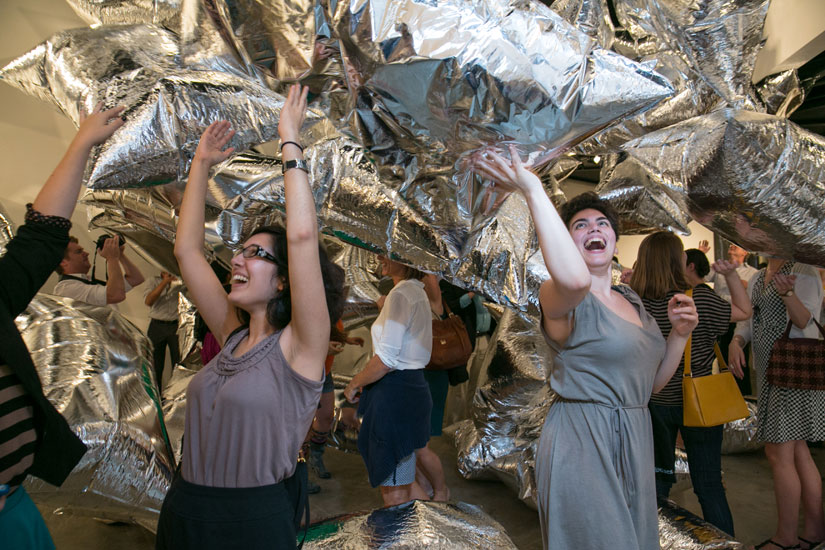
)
(798, 362)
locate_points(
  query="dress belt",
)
(619, 445)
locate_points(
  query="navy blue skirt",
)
(396, 421)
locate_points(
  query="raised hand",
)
(210, 148)
(293, 113)
(681, 311)
(783, 283)
(111, 249)
(724, 267)
(510, 175)
(98, 126)
(704, 246)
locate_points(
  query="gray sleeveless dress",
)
(594, 467)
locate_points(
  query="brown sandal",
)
(781, 547)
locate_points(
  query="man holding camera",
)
(75, 283)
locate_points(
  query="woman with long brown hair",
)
(659, 275)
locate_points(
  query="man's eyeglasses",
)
(253, 250)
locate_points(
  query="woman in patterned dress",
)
(788, 418)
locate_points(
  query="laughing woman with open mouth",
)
(249, 409)
(594, 464)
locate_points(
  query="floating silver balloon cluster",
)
(167, 106)
(95, 367)
(755, 179)
(416, 524)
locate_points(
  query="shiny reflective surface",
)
(95, 367)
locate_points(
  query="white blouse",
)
(402, 336)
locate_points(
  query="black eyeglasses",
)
(254, 250)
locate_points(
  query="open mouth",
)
(594, 243)
(238, 278)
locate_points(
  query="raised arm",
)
(153, 295)
(681, 311)
(739, 300)
(569, 280)
(204, 287)
(58, 196)
(130, 271)
(310, 324)
(115, 289)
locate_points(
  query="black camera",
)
(105, 236)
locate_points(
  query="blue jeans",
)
(704, 452)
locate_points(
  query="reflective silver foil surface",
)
(758, 180)
(739, 436)
(720, 38)
(167, 106)
(6, 230)
(113, 12)
(414, 525)
(681, 530)
(95, 367)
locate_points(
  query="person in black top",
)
(34, 438)
(659, 274)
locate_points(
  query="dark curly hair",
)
(279, 308)
(589, 200)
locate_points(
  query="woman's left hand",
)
(724, 267)
(784, 283)
(681, 311)
(293, 113)
(350, 393)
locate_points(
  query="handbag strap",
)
(689, 293)
(790, 323)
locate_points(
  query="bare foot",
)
(442, 496)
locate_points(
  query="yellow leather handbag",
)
(713, 399)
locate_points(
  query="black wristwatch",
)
(299, 163)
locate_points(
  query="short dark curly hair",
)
(699, 261)
(279, 308)
(589, 200)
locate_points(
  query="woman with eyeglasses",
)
(249, 409)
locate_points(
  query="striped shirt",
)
(714, 318)
(17, 435)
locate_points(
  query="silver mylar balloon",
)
(721, 39)
(416, 524)
(95, 367)
(6, 230)
(113, 12)
(755, 179)
(167, 107)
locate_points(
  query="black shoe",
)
(313, 488)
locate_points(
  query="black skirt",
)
(396, 421)
(197, 517)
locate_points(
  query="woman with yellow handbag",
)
(660, 273)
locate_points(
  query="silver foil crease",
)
(95, 367)
(167, 106)
(113, 12)
(720, 38)
(414, 525)
(755, 179)
(589, 16)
